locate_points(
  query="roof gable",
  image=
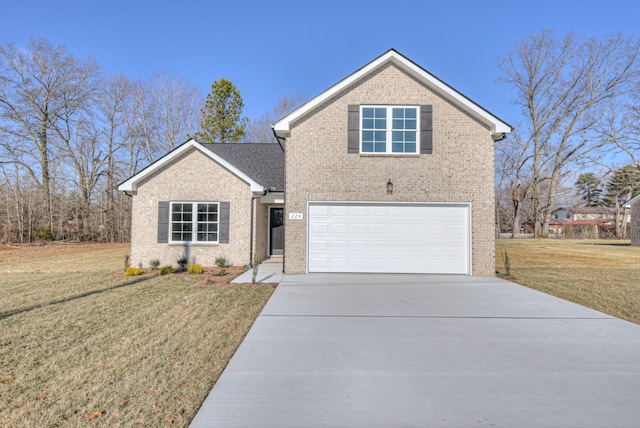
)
(131, 184)
(497, 126)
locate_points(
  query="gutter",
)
(253, 198)
(284, 193)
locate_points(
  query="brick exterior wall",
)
(635, 223)
(193, 177)
(460, 169)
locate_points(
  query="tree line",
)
(579, 99)
(69, 134)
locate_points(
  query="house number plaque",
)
(295, 216)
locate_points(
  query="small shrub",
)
(154, 264)
(256, 264)
(126, 262)
(183, 262)
(222, 272)
(507, 263)
(133, 271)
(195, 269)
(165, 270)
(221, 261)
(43, 235)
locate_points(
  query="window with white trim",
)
(194, 222)
(389, 129)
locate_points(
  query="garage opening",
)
(389, 237)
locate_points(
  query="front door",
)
(276, 231)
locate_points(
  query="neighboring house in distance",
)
(584, 213)
(389, 170)
(634, 205)
(585, 222)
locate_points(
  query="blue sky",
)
(272, 49)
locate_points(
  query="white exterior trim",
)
(497, 127)
(467, 205)
(631, 201)
(273, 198)
(131, 185)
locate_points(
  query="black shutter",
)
(163, 222)
(426, 130)
(223, 229)
(354, 129)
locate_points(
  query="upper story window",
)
(389, 129)
(194, 222)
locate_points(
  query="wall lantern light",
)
(389, 187)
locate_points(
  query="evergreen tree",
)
(623, 185)
(221, 116)
(589, 188)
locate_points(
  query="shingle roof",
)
(264, 163)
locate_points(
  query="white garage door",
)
(399, 238)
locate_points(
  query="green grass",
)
(603, 275)
(141, 350)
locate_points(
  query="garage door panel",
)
(339, 228)
(378, 237)
(337, 246)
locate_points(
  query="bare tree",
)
(39, 86)
(259, 130)
(561, 85)
(178, 110)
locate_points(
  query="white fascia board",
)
(131, 185)
(631, 201)
(497, 127)
(273, 198)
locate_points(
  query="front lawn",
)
(603, 275)
(81, 347)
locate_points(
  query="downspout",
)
(253, 198)
(284, 192)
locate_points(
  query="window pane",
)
(410, 124)
(381, 112)
(381, 124)
(410, 113)
(398, 124)
(207, 224)
(397, 148)
(367, 147)
(398, 113)
(367, 123)
(410, 136)
(380, 136)
(367, 112)
(380, 147)
(410, 148)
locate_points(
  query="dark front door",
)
(276, 231)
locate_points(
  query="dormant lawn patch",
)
(80, 345)
(603, 275)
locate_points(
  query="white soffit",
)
(498, 127)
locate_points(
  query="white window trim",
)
(389, 130)
(194, 222)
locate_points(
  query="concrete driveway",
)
(361, 350)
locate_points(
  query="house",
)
(585, 222)
(584, 213)
(204, 201)
(634, 205)
(389, 170)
